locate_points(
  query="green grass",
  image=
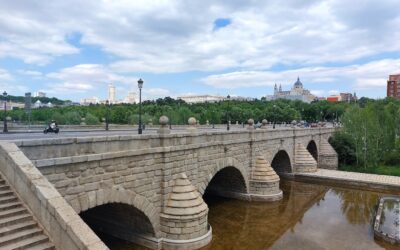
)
(382, 169)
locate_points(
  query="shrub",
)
(91, 119)
(72, 117)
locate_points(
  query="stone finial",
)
(264, 124)
(163, 130)
(263, 171)
(185, 213)
(192, 121)
(163, 120)
(250, 125)
(192, 125)
(303, 161)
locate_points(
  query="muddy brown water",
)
(310, 216)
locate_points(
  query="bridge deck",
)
(368, 181)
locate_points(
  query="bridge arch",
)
(281, 162)
(224, 168)
(101, 197)
(313, 149)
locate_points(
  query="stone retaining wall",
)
(65, 228)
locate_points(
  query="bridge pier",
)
(303, 160)
(328, 157)
(264, 182)
(184, 221)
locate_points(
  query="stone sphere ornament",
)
(192, 121)
(163, 120)
(264, 122)
(250, 122)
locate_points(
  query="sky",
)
(74, 49)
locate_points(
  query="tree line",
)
(179, 112)
(371, 134)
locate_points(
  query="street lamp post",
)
(5, 129)
(227, 114)
(107, 114)
(273, 126)
(140, 85)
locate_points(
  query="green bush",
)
(59, 118)
(72, 117)
(91, 119)
(392, 158)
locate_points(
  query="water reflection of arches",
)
(119, 220)
(227, 182)
(281, 162)
(243, 220)
(312, 148)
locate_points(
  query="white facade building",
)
(201, 98)
(90, 100)
(111, 93)
(130, 98)
(39, 94)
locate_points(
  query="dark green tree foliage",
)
(373, 128)
(179, 112)
(344, 147)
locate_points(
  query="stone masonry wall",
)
(53, 213)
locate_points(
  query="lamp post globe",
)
(140, 86)
(5, 129)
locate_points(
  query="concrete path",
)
(355, 179)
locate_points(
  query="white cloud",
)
(178, 36)
(154, 93)
(83, 78)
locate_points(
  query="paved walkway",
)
(353, 178)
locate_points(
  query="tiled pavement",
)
(354, 178)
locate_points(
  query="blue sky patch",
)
(221, 23)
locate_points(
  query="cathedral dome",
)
(298, 83)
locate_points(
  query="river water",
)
(309, 216)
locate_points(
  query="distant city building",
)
(11, 105)
(37, 104)
(348, 97)
(393, 86)
(39, 94)
(296, 93)
(201, 98)
(28, 102)
(111, 93)
(334, 98)
(241, 98)
(90, 100)
(130, 98)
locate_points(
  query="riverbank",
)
(382, 170)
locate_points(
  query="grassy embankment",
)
(383, 170)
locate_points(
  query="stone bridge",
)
(148, 189)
